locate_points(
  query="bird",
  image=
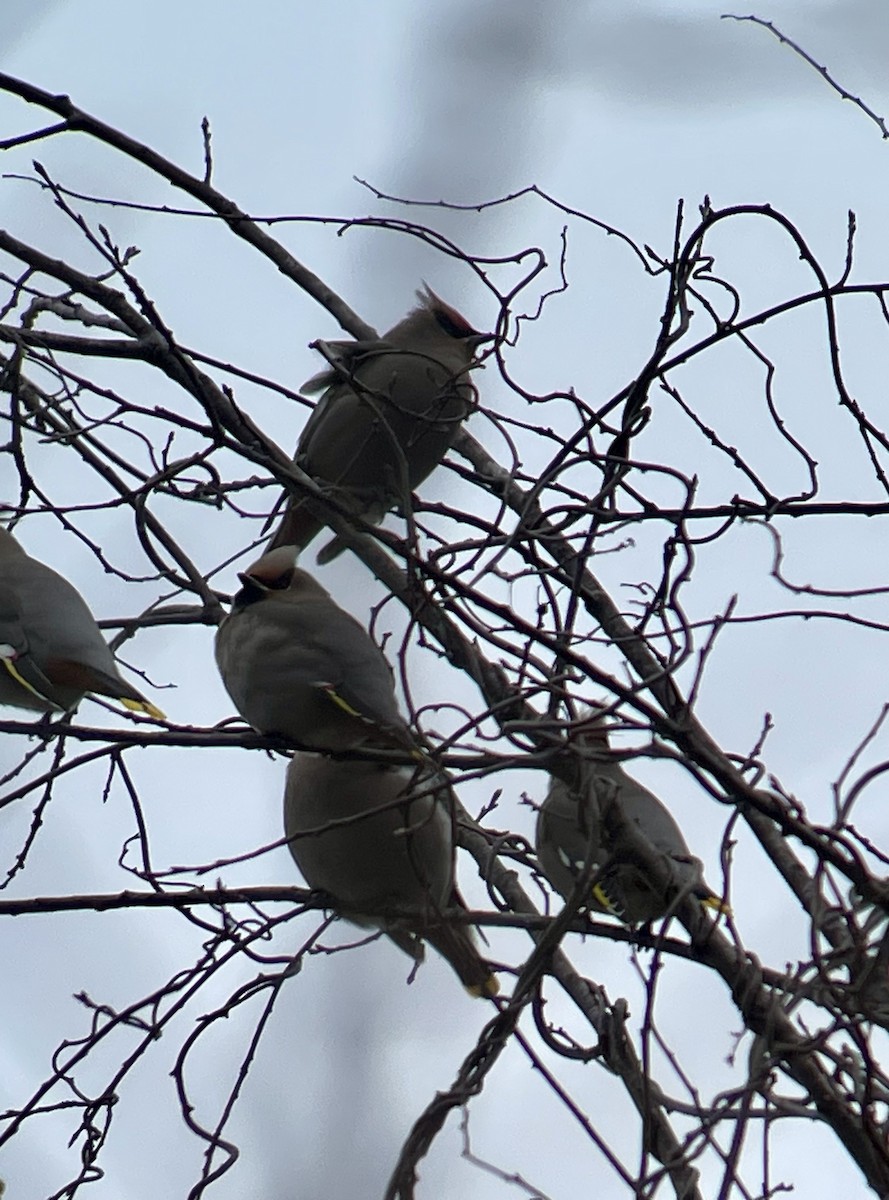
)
(573, 836)
(375, 836)
(52, 652)
(389, 411)
(297, 665)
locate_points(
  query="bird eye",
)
(453, 327)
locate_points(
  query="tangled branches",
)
(498, 597)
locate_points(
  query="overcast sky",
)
(618, 109)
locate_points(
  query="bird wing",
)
(56, 648)
(360, 686)
(568, 836)
(343, 662)
(658, 825)
(276, 653)
(15, 651)
(335, 444)
(343, 358)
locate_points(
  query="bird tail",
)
(328, 553)
(455, 943)
(297, 528)
(84, 678)
(102, 684)
(143, 706)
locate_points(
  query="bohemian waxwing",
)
(572, 835)
(389, 412)
(51, 650)
(383, 838)
(297, 665)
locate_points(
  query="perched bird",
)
(572, 835)
(298, 665)
(374, 837)
(51, 650)
(389, 412)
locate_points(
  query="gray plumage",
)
(572, 833)
(389, 412)
(52, 652)
(386, 842)
(298, 665)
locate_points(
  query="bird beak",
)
(479, 339)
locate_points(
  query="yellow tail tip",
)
(488, 989)
(143, 706)
(718, 904)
